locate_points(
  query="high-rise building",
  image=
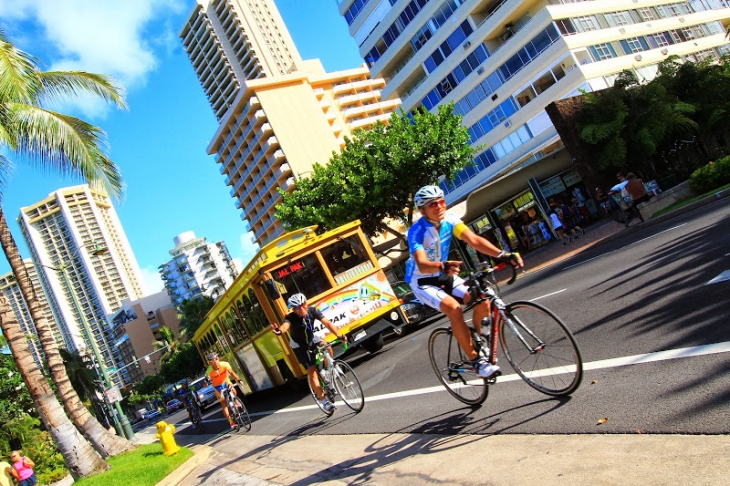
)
(11, 291)
(197, 268)
(231, 41)
(85, 264)
(135, 327)
(501, 62)
(278, 115)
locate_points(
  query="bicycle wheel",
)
(317, 400)
(348, 386)
(454, 369)
(549, 359)
(240, 414)
(198, 421)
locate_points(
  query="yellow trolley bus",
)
(337, 271)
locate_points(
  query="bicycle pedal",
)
(493, 379)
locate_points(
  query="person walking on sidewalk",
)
(220, 373)
(435, 280)
(569, 220)
(300, 324)
(558, 226)
(637, 191)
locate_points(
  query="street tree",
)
(32, 133)
(192, 314)
(166, 341)
(374, 176)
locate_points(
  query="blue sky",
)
(159, 143)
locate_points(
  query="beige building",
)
(279, 127)
(278, 114)
(503, 61)
(85, 263)
(11, 291)
(135, 326)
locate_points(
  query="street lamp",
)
(121, 423)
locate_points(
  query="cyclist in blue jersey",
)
(435, 280)
(188, 398)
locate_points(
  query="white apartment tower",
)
(501, 62)
(277, 114)
(231, 41)
(197, 268)
(11, 291)
(75, 236)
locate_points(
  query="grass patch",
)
(680, 204)
(144, 466)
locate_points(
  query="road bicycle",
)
(537, 344)
(237, 409)
(336, 378)
(197, 418)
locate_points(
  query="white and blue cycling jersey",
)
(434, 241)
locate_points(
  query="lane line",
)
(720, 278)
(690, 352)
(547, 295)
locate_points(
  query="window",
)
(646, 13)
(587, 23)
(345, 255)
(305, 276)
(602, 52)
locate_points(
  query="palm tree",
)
(71, 146)
(192, 314)
(166, 339)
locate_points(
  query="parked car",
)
(152, 414)
(416, 311)
(174, 405)
(204, 391)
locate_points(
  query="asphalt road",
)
(652, 328)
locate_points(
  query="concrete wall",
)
(680, 192)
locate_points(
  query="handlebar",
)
(322, 345)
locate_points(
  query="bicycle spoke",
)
(541, 349)
(348, 386)
(453, 370)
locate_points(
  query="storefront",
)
(502, 210)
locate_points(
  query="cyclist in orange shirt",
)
(219, 372)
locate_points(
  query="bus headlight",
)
(394, 316)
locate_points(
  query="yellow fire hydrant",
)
(164, 433)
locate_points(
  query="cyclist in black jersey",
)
(300, 324)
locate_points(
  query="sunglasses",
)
(299, 307)
(435, 204)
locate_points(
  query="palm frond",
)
(65, 144)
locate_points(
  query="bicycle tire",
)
(555, 368)
(198, 421)
(316, 400)
(240, 414)
(454, 370)
(348, 386)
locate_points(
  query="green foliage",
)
(711, 176)
(18, 420)
(372, 179)
(144, 466)
(192, 314)
(15, 401)
(185, 363)
(669, 126)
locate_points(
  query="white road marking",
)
(546, 295)
(690, 352)
(720, 278)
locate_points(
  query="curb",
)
(202, 454)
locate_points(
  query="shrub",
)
(711, 176)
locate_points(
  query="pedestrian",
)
(636, 190)
(558, 226)
(568, 220)
(602, 199)
(23, 469)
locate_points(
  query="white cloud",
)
(117, 38)
(152, 280)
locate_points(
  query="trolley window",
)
(305, 276)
